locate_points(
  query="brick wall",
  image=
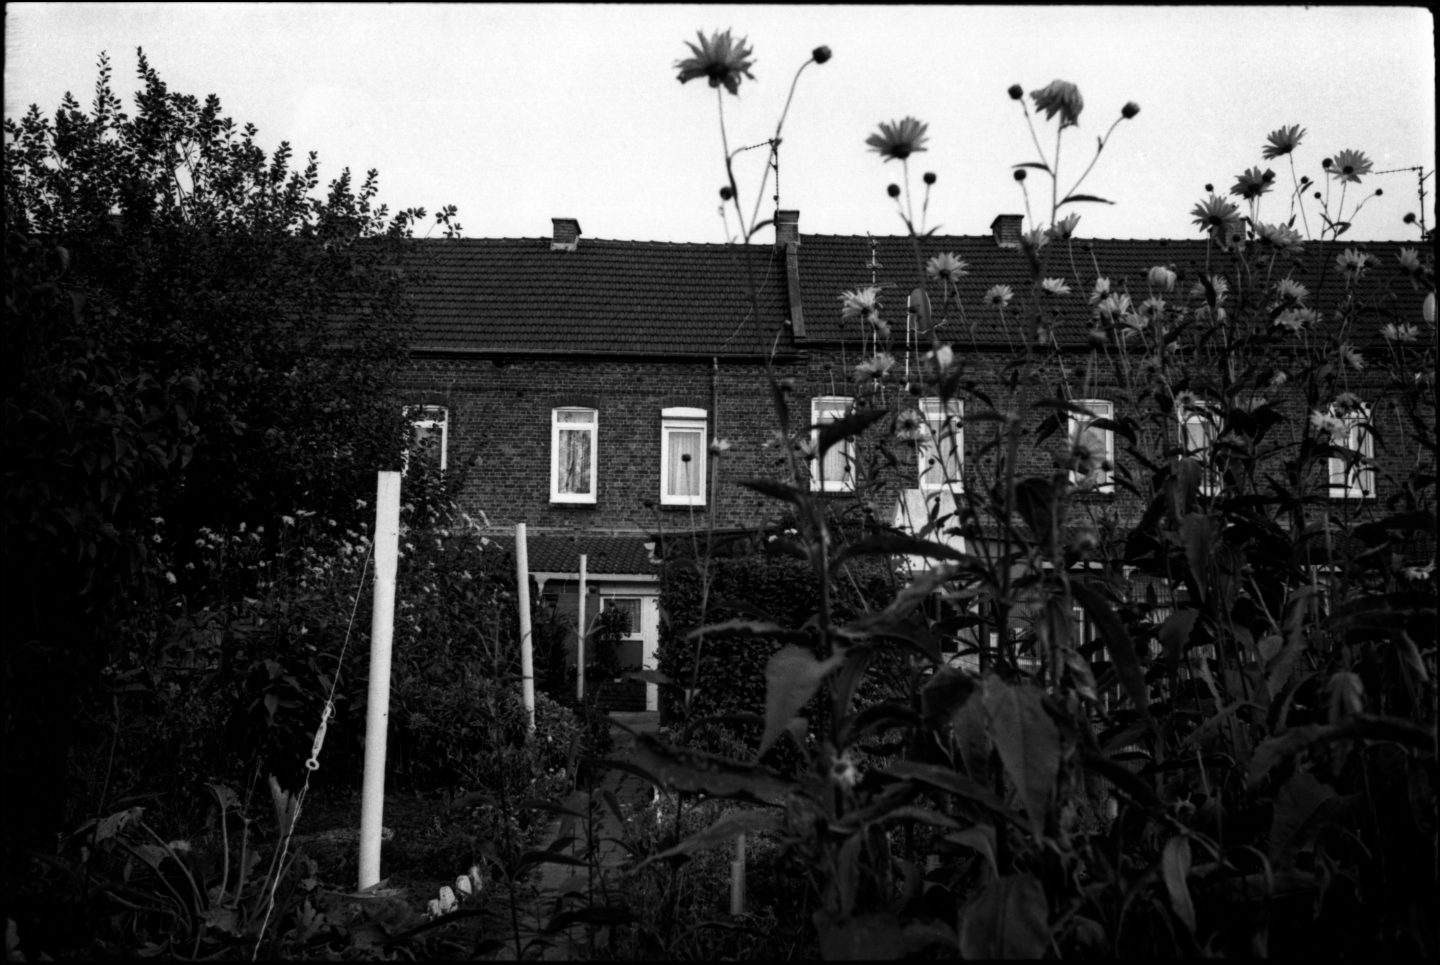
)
(500, 427)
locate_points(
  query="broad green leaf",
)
(1174, 635)
(731, 825)
(980, 839)
(851, 424)
(1298, 805)
(791, 678)
(1029, 745)
(875, 937)
(944, 779)
(1034, 500)
(1118, 643)
(1135, 787)
(912, 812)
(899, 544)
(1009, 919)
(1084, 197)
(1175, 867)
(747, 628)
(1037, 165)
(696, 772)
(1195, 533)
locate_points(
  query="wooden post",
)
(580, 637)
(377, 708)
(527, 644)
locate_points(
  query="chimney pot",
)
(787, 228)
(567, 234)
(1006, 229)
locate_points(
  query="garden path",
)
(633, 793)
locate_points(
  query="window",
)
(1093, 448)
(429, 432)
(941, 445)
(572, 455)
(834, 472)
(682, 457)
(630, 607)
(1351, 474)
(1199, 427)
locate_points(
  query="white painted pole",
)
(737, 878)
(580, 637)
(377, 708)
(527, 644)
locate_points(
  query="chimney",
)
(787, 228)
(1006, 228)
(567, 234)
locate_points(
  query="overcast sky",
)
(521, 113)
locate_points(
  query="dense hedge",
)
(776, 589)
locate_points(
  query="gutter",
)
(449, 351)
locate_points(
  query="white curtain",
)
(683, 478)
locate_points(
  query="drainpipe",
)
(715, 434)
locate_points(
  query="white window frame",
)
(428, 417)
(1206, 415)
(556, 496)
(933, 412)
(683, 419)
(825, 409)
(1353, 480)
(1078, 426)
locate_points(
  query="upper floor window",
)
(941, 443)
(573, 434)
(1352, 474)
(1092, 447)
(1199, 428)
(429, 434)
(682, 457)
(834, 470)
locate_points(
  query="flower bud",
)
(1130, 110)
(1020, 174)
(726, 193)
(820, 54)
(893, 190)
(1410, 217)
(1326, 163)
(1379, 191)
(1209, 189)
(929, 177)
(1016, 92)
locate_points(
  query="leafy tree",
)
(195, 335)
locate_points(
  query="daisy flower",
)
(874, 368)
(1352, 357)
(1152, 306)
(947, 267)
(1114, 304)
(1217, 282)
(1102, 288)
(1064, 228)
(1282, 141)
(1353, 263)
(720, 59)
(1253, 183)
(899, 139)
(999, 295)
(909, 425)
(863, 304)
(1350, 165)
(1217, 214)
(942, 358)
(1400, 333)
(1054, 286)
(1327, 423)
(1060, 97)
(1409, 260)
(1294, 319)
(1280, 236)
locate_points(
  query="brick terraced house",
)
(579, 384)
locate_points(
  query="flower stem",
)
(1100, 147)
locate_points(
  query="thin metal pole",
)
(580, 637)
(527, 644)
(377, 708)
